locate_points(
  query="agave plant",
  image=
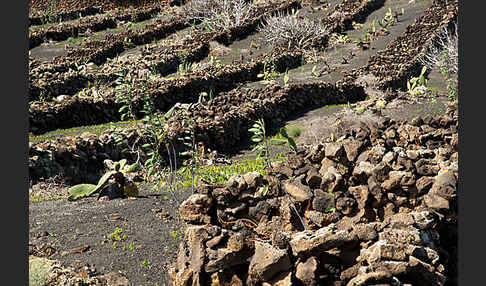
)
(117, 171)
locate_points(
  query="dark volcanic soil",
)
(150, 222)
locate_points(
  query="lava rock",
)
(267, 262)
(298, 191)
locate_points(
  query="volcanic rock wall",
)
(376, 206)
(80, 159)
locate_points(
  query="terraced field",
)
(89, 63)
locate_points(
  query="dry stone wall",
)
(377, 206)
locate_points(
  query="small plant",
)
(417, 86)
(294, 131)
(43, 97)
(189, 140)
(364, 41)
(286, 77)
(260, 138)
(360, 110)
(50, 16)
(315, 73)
(373, 26)
(184, 67)
(71, 40)
(128, 43)
(220, 173)
(340, 38)
(203, 95)
(134, 16)
(116, 235)
(269, 70)
(330, 210)
(174, 234)
(285, 139)
(214, 61)
(145, 263)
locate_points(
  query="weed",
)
(294, 130)
(145, 263)
(184, 68)
(417, 86)
(260, 137)
(221, 173)
(134, 16)
(174, 234)
(269, 70)
(285, 139)
(214, 61)
(151, 130)
(116, 234)
(330, 210)
(360, 110)
(205, 97)
(189, 140)
(315, 73)
(339, 38)
(50, 16)
(286, 77)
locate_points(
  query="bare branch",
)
(291, 31)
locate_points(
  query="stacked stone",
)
(80, 159)
(377, 206)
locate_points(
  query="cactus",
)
(79, 191)
(86, 190)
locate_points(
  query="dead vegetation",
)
(291, 31)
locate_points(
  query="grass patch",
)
(335, 105)
(294, 131)
(43, 198)
(221, 173)
(95, 129)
